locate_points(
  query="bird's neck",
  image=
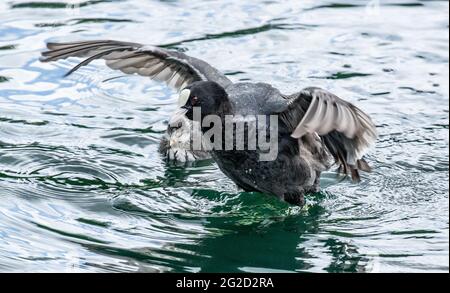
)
(225, 109)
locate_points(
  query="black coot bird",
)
(315, 127)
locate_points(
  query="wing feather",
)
(172, 67)
(346, 131)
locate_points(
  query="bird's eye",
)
(194, 100)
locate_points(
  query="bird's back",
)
(255, 99)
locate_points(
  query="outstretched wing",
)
(346, 130)
(174, 68)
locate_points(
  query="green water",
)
(82, 187)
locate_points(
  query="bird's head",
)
(208, 97)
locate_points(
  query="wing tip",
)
(356, 178)
(43, 59)
(361, 165)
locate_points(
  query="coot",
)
(314, 127)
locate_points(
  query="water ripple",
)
(83, 187)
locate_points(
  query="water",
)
(82, 187)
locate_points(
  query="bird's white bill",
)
(178, 117)
(183, 97)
